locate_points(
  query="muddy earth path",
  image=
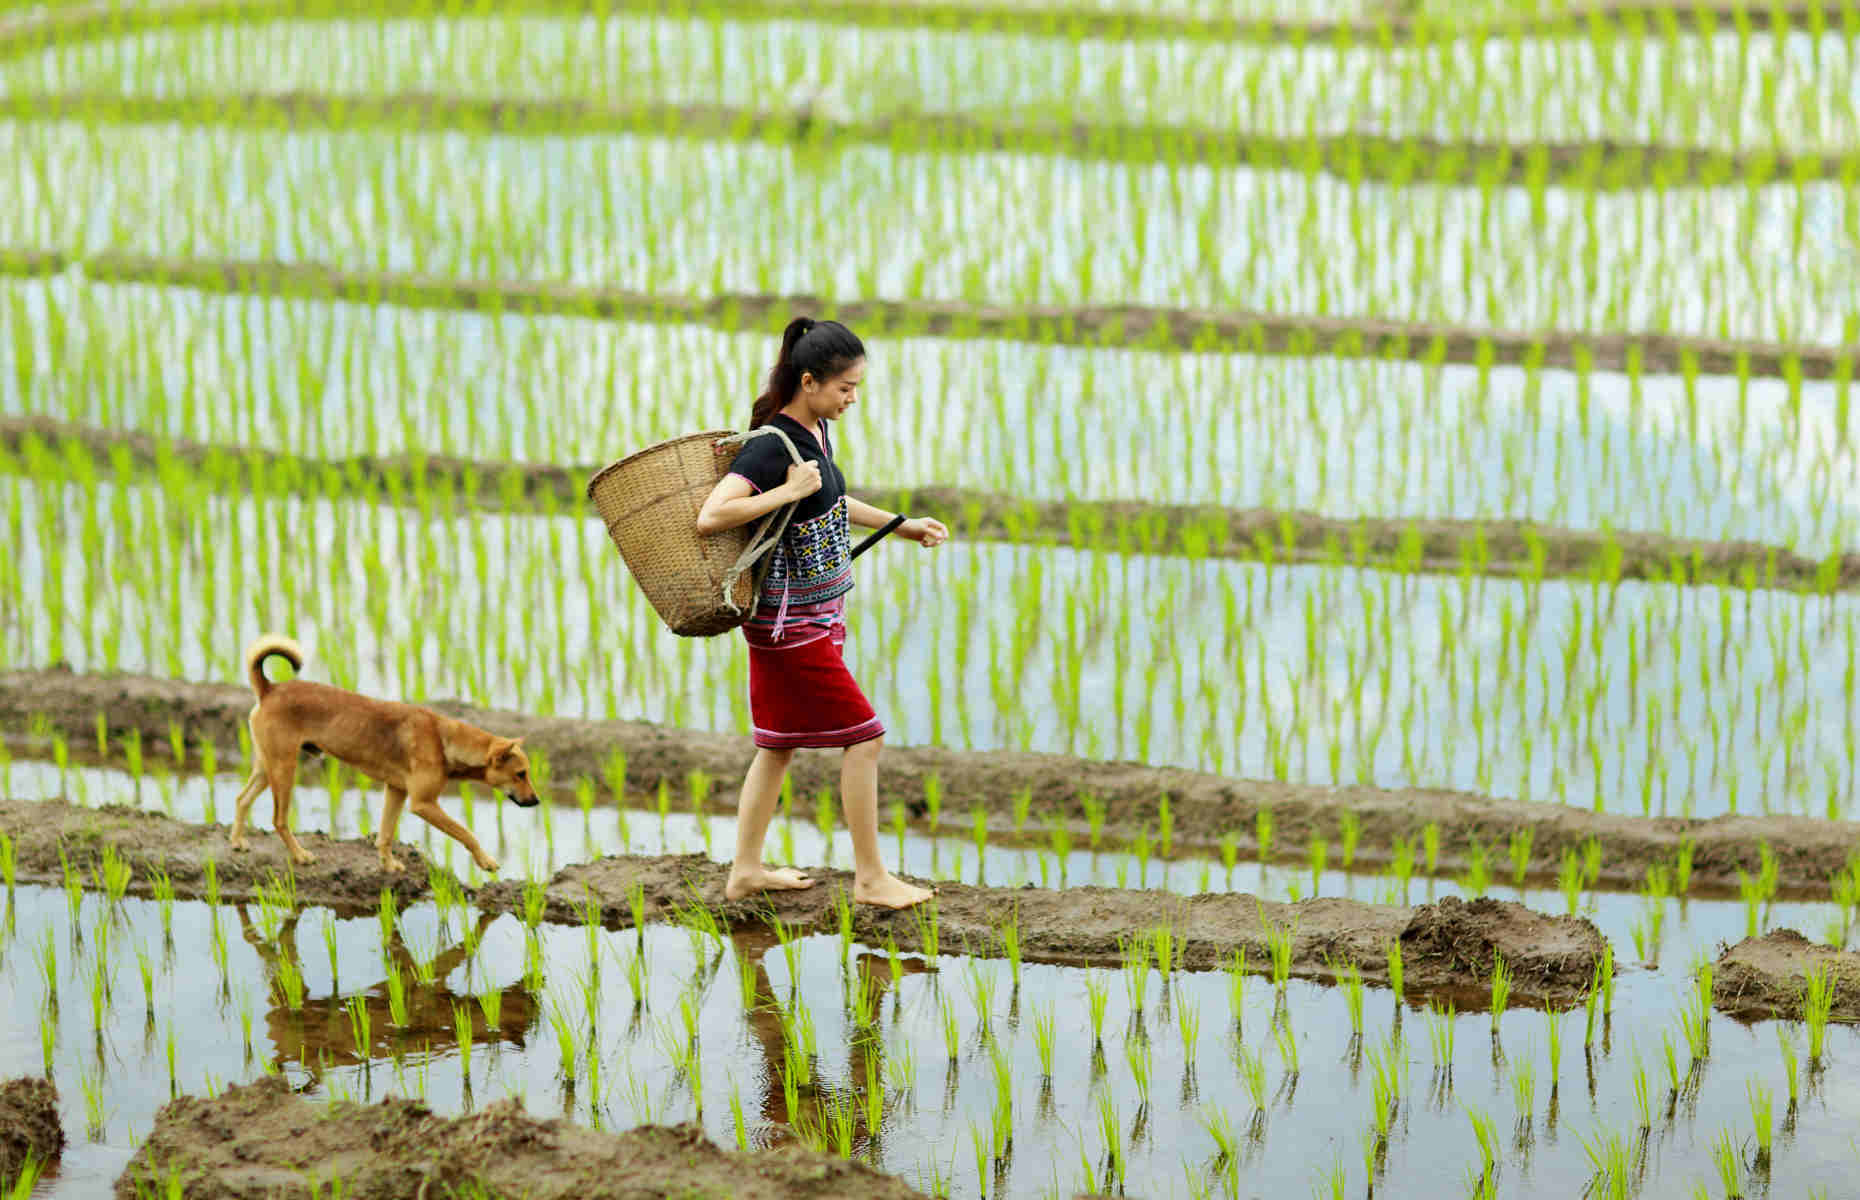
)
(1523, 549)
(1767, 977)
(1204, 807)
(1446, 948)
(29, 1127)
(253, 1141)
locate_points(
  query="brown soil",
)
(1113, 325)
(1604, 164)
(1446, 947)
(1204, 807)
(260, 1140)
(1518, 548)
(29, 1126)
(346, 876)
(1764, 977)
(65, 24)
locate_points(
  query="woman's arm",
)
(735, 501)
(927, 530)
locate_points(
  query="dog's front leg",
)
(425, 805)
(242, 807)
(390, 821)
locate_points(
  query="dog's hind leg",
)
(390, 821)
(242, 807)
(282, 770)
(424, 804)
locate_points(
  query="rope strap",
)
(762, 540)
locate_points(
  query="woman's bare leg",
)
(872, 883)
(755, 808)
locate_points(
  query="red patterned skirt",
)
(801, 695)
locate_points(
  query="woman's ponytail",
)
(819, 348)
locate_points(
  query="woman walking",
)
(800, 692)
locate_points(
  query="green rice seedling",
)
(462, 1029)
(46, 955)
(978, 831)
(1349, 833)
(1062, 845)
(1682, 867)
(1671, 1057)
(1384, 1089)
(1569, 879)
(1440, 1034)
(397, 996)
(1236, 985)
(568, 1051)
(28, 1179)
(1135, 953)
(290, 983)
(1501, 988)
(145, 968)
(736, 1115)
(925, 917)
(1188, 1020)
(1817, 1006)
(636, 907)
(1610, 1165)
(824, 818)
(1220, 1128)
(91, 1083)
(1316, 854)
(168, 1054)
(1520, 855)
(1430, 845)
(361, 1027)
(1401, 861)
(1524, 1089)
(48, 1040)
(901, 1069)
(1095, 810)
(982, 990)
(1009, 933)
(1022, 803)
(1287, 1042)
(1165, 825)
(1230, 854)
(1396, 969)
(874, 1097)
(1485, 1134)
(952, 1032)
(1112, 1133)
(1352, 979)
(1760, 1112)
(1097, 998)
(388, 915)
(1605, 974)
(1279, 943)
(1553, 1028)
(1262, 833)
(9, 865)
(1730, 1167)
(1478, 877)
(933, 800)
(1252, 1069)
(1043, 1030)
(1786, 1044)
(1643, 1106)
(1750, 891)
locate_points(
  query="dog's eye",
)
(523, 774)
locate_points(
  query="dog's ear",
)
(500, 750)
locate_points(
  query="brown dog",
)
(412, 750)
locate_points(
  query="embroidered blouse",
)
(810, 572)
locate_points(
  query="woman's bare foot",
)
(888, 891)
(762, 879)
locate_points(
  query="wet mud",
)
(1582, 165)
(1204, 807)
(1129, 325)
(261, 1140)
(1521, 549)
(29, 1127)
(1446, 947)
(1767, 977)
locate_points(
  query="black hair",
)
(808, 347)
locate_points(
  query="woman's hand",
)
(927, 530)
(803, 480)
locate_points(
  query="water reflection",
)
(321, 1032)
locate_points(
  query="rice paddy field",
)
(1401, 466)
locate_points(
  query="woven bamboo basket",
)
(699, 585)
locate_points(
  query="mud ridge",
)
(36, 706)
(65, 24)
(1134, 326)
(261, 1141)
(45, 447)
(1447, 947)
(29, 1127)
(1767, 977)
(346, 875)
(1602, 164)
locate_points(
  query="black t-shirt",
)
(764, 462)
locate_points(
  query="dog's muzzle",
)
(520, 802)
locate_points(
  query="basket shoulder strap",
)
(772, 527)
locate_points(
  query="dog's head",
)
(508, 770)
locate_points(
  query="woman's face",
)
(832, 398)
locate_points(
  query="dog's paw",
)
(302, 858)
(239, 846)
(392, 865)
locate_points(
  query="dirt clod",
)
(29, 1126)
(261, 1140)
(1767, 977)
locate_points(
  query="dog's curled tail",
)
(264, 648)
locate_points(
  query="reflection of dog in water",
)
(320, 1034)
(414, 751)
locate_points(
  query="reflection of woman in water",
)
(320, 1035)
(800, 692)
(865, 1052)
